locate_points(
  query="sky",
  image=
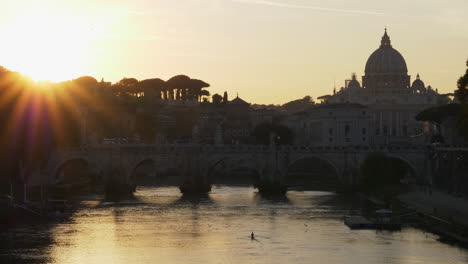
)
(267, 51)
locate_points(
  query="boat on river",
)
(383, 219)
(358, 222)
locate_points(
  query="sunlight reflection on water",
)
(161, 226)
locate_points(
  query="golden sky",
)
(269, 51)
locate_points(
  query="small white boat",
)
(358, 222)
(383, 219)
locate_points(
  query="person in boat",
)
(252, 236)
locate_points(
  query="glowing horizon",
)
(268, 51)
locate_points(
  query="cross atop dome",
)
(385, 42)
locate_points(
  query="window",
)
(364, 131)
(330, 131)
(330, 139)
(363, 139)
(347, 129)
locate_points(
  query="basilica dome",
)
(386, 60)
(418, 84)
(353, 83)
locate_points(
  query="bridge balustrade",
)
(170, 148)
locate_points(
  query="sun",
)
(46, 47)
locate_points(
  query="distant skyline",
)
(268, 51)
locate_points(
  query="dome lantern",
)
(385, 42)
(386, 70)
(386, 59)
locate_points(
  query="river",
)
(160, 226)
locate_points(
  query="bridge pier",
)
(195, 176)
(271, 180)
(118, 185)
(271, 185)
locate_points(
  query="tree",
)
(205, 93)
(462, 96)
(85, 81)
(380, 173)
(195, 88)
(284, 135)
(299, 104)
(152, 87)
(84, 87)
(126, 86)
(462, 84)
(225, 97)
(438, 114)
(179, 82)
(216, 99)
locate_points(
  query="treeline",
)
(457, 111)
(291, 106)
(180, 87)
(37, 117)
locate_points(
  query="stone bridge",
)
(118, 163)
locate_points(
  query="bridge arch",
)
(412, 171)
(233, 170)
(143, 172)
(72, 171)
(312, 171)
(155, 170)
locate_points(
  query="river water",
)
(162, 227)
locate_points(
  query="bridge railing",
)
(174, 148)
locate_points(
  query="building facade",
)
(332, 125)
(392, 100)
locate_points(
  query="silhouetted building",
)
(392, 100)
(332, 124)
(237, 125)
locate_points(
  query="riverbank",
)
(435, 212)
(441, 213)
(439, 204)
